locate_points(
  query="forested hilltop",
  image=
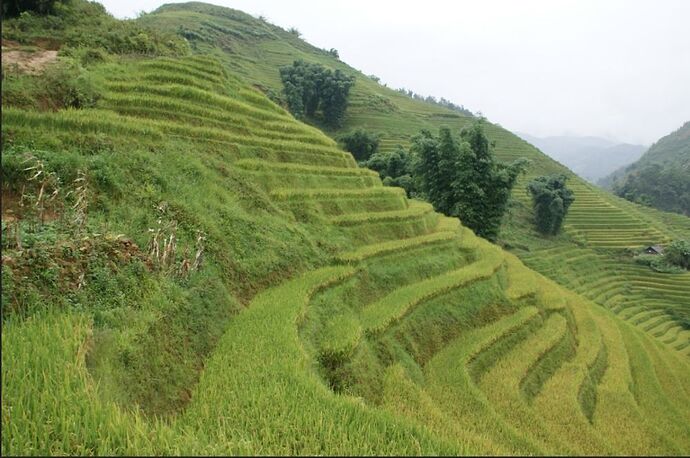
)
(190, 268)
(661, 178)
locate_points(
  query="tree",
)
(551, 200)
(12, 8)
(310, 87)
(335, 91)
(361, 143)
(678, 253)
(463, 179)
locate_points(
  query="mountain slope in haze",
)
(593, 255)
(661, 178)
(591, 158)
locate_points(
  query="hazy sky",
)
(616, 69)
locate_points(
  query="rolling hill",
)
(660, 177)
(323, 313)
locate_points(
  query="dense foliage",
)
(396, 168)
(361, 143)
(310, 87)
(661, 178)
(463, 179)
(80, 25)
(12, 8)
(678, 253)
(657, 186)
(551, 200)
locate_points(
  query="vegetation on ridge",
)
(660, 177)
(328, 314)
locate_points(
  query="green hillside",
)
(193, 271)
(660, 177)
(598, 224)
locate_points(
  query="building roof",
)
(658, 248)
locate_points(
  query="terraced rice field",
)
(416, 337)
(600, 226)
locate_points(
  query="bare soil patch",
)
(25, 61)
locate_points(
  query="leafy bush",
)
(69, 86)
(361, 143)
(678, 253)
(395, 169)
(85, 56)
(551, 200)
(657, 263)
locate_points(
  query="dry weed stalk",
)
(162, 247)
(81, 204)
(49, 187)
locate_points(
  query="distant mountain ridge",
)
(592, 158)
(661, 177)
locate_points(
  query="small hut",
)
(654, 249)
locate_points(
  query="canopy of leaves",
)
(12, 8)
(678, 253)
(551, 200)
(310, 87)
(361, 143)
(661, 178)
(396, 168)
(666, 188)
(463, 179)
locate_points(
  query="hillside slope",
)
(661, 178)
(398, 331)
(322, 313)
(593, 256)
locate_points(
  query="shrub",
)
(678, 253)
(395, 169)
(362, 144)
(67, 85)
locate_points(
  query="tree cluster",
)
(309, 88)
(551, 200)
(463, 179)
(666, 188)
(12, 8)
(431, 99)
(361, 143)
(678, 254)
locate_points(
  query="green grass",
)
(330, 315)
